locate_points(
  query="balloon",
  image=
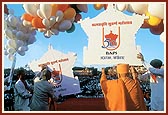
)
(19, 43)
(31, 9)
(145, 25)
(27, 17)
(12, 43)
(139, 8)
(157, 30)
(156, 10)
(37, 23)
(10, 57)
(77, 17)
(5, 52)
(105, 6)
(27, 23)
(121, 6)
(153, 20)
(98, 6)
(22, 53)
(13, 20)
(9, 33)
(63, 7)
(82, 7)
(69, 13)
(54, 31)
(163, 37)
(59, 16)
(31, 40)
(52, 20)
(46, 23)
(72, 29)
(39, 13)
(46, 10)
(11, 50)
(20, 35)
(6, 9)
(47, 34)
(65, 25)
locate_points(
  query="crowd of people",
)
(122, 92)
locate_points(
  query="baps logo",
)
(111, 41)
(57, 76)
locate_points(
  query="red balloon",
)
(77, 17)
(157, 30)
(6, 9)
(145, 25)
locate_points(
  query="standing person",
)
(43, 91)
(156, 77)
(124, 93)
(21, 92)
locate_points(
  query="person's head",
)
(122, 70)
(45, 74)
(156, 63)
(21, 74)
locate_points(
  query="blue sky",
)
(151, 45)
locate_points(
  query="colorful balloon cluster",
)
(154, 12)
(18, 36)
(53, 18)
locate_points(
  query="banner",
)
(111, 38)
(61, 65)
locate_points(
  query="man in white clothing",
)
(21, 93)
(156, 76)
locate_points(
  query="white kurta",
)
(21, 97)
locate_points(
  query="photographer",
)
(124, 93)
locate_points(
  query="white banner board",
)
(64, 83)
(111, 38)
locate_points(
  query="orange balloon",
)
(63, 7)
(37, 22)
(27, 17)
(98, 6)
(56, 7)
(69, 13)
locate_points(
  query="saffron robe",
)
(123, 94)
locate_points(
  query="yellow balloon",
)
(98, 6)
(153, 20)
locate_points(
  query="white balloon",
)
(46, 23)
(11, 11)
(5, 52)
(59, 15)
(54, 31)
(27, 23)
(22, 53)
(9, 33)
(139, 8)
(46, 10)
(19, 43)
(156, 10)
(12, 43)
(31, 9)
(10, 57)
(52, 21)
(13, 20)
(163, 37)
(11, 50)
(65, 25)
(20, 35)
(121, 6)
(31, 40)
(39, 13)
